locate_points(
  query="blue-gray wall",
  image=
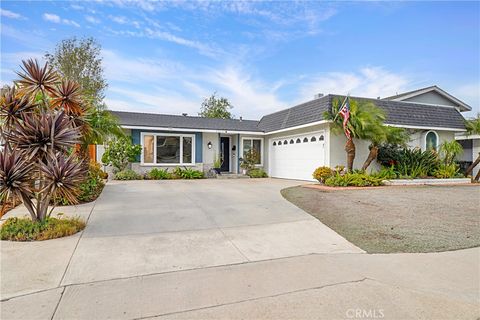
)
(136, 134)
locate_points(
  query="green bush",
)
(159, 174)
(416, 163)
(187, 173)
(127, 174)
(120, 152)
(386, 173)
(24, 229)
(447, 171)
(322, 173)
(356, 179)
(389, 154)
(257, 173)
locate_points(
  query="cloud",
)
(50, 17)
(92, 19)
(366, 82)
(11, 14)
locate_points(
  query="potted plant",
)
(217, 164)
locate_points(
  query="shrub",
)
(127, 174)
(90, 188)
(159, 174)
(447, 171)
(417, 163)
(389, 154)
(357, 179)
(322, 173)
(23, 229)
(250, 159)
(187, 173)
(257, 173)
(386, 173)
(120, 152)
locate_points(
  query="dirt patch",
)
(397, 219)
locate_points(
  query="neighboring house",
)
(291, 142)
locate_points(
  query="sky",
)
(166, 57)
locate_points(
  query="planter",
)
(413, 182)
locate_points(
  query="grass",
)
(24, 229)
(397, 219)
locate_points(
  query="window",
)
(279, 143)
(291, 141)
(305, 139)
(168, 149)
(321, 138)
(256, 144)
(274, 143)
(313, 139)
(298, 141)
(431, 140)
(285, 142)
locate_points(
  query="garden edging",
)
(413, 182)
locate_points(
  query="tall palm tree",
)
(384, 134)
(473, 127)
(365, 120)
(103, 125)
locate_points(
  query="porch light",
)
(209, 145)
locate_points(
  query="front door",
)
(225, 153)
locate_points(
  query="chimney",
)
(240, 118)
(184, 114)
(318, 96)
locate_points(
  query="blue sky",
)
(264, 56)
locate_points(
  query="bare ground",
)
(397, 219)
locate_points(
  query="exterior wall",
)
(475, 153)
(417, 137)
(315, 128)
(431, 98)
(209, 154)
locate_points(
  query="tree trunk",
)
(371, 156)
(350, 150)
(473, 165)
(477, 177)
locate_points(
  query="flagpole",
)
(341, 106)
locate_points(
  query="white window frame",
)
(261, 148)
(155, 135)
(425, 140)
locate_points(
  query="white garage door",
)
(296, 157)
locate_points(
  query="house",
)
(291, 142)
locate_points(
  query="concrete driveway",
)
(220, 249)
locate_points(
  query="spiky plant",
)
(39, 131)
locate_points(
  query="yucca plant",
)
(40, 126)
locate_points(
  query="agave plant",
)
(37, 162)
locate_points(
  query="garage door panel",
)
(297, 160)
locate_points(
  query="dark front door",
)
(225, 153)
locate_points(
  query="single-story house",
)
(291, 142)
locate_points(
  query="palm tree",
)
(473, 127)
(365, 120)
(103, 125)
(384, 134)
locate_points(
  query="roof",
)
(137, 119)
(409, 94)
(406, 114)
(398, 113)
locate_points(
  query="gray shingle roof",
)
(184, 122)
(398, 113)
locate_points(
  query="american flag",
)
(345, 113)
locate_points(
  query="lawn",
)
(397, 219)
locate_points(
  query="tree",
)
(365, 120)
(214, 107)
(384, 134)
(473, 127)
(41, 121)
(120, 152)
(104, 125)
(80, 60)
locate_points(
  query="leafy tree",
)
(365, 120)
(41, 120)
(450, 150)
(80, 60)
(104, 125)
(120, 152)
(214, 107)
(384, 134)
